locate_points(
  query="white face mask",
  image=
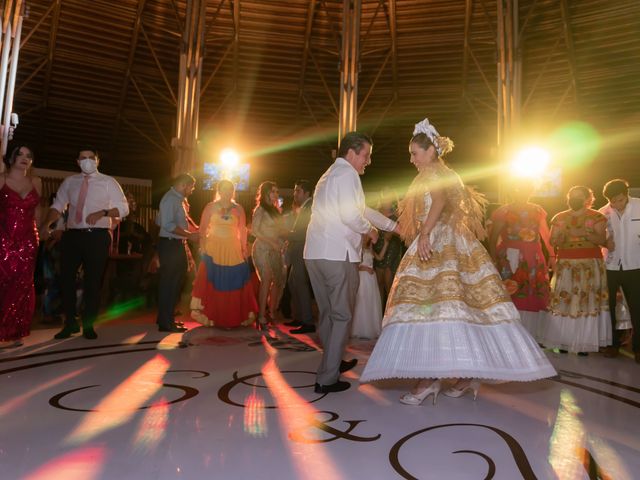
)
(88, 165)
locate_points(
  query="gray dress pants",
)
(335, 285)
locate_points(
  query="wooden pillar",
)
(349, 65)
(10, 32)
(509, 74)
(185, 142)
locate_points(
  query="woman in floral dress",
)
(515, 244)
(578, 319)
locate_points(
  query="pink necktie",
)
(82, 196)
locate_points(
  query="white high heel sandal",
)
(455, 392)
(418, 398)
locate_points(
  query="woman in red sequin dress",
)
(19, 199)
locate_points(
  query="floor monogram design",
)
(235, 405)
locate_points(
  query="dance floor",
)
(217, 404)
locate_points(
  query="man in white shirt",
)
(93, 199)
(622, 257)
(332, 252)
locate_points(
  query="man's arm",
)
(379, 220)
(351, 203)
(118, 207)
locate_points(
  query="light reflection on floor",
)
(234, 405)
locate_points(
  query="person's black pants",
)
(89, 248)
(629, 280)
(173, 268)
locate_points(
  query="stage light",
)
(530, 162)
(229, 158)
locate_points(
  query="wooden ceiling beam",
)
(393, 29)
(468, 12)
(311, 10)
(151, 140)
(568, 37)
(35, 28)
(55, 21)
(158, 64)
(324, 83)
(150, 112)
(127, 73)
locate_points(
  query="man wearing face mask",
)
(94, 200)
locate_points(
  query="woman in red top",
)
(517, 233)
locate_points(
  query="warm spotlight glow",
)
(82, 464)
(229, 158)
(530, 162)
(568, 439)
(17, 402)
(123, 402)
(296, 415)
(153, 427)
(255, 421)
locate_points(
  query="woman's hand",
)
(425, 250)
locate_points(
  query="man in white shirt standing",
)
(332, 252)
(93, 199)
(622, 257)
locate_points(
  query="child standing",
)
(367, 317)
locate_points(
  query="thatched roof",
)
(105, 72)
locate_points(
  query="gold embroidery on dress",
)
(447, 286)
(465, 263)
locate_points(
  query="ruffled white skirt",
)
(457, 350)
(534, 323)
(582, 334)
(451, 317)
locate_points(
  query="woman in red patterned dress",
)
(518, 230)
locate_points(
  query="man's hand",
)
(194, 236)
(44, 233)
(92, 218)
(54, 237)
(610, 245)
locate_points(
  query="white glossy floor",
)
(215, 404)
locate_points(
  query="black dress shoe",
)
(172, 329)
(67, 331)
(345, 366)
(293, 323)
(303, 329)
(89, 333)
(339, 386)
